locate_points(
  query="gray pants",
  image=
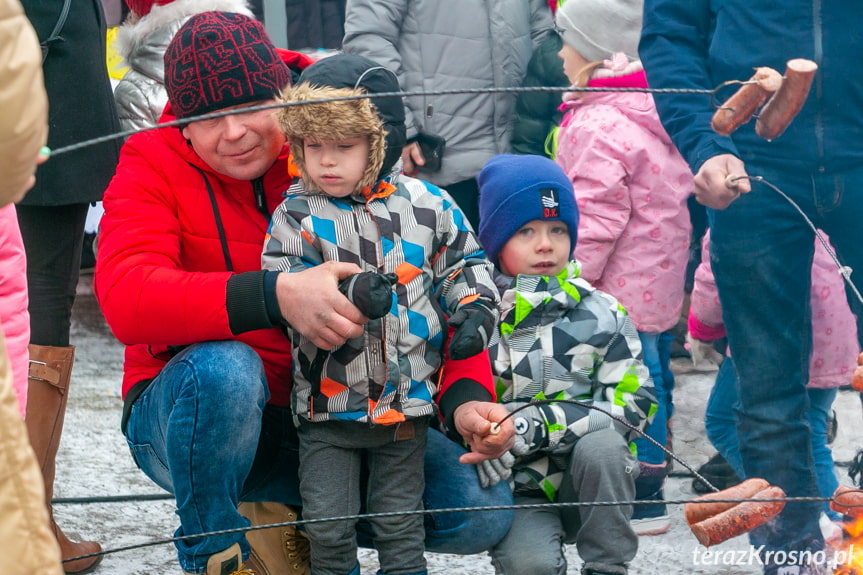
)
(601, 469)
(331, 455)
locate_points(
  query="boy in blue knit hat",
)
(559, 338)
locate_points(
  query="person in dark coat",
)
(51, 217)
(536, 113)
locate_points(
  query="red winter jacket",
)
(161, 276)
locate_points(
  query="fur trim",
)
(331, 121)
(135, 31)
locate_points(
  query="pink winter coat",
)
(631, 186)
(834, 330)
(13, 301)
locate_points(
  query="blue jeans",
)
(202, 430)
(761, 254)
(656, 349)
(721, 424)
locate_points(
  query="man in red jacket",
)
(208, 368)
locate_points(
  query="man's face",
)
(241, 146)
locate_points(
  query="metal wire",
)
(249, 109)
(844, 271)
(448, 510)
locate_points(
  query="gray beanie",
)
(599, 28)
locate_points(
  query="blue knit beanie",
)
(515, 190)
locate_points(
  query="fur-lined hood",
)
(381, 119)
(141, 42)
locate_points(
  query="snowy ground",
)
(94, 462)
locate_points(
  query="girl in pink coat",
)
(831, 362)
(14, 316)
(631, 185)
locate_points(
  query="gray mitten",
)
(491, 471)
(530, 429)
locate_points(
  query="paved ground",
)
(94, 462)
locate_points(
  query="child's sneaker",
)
(650, 519)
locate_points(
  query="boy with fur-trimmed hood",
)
(421, 263)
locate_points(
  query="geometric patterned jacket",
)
(401, 225)
(560, 338)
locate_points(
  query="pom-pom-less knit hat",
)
(599, 28)
(515, 190)
(221, 59)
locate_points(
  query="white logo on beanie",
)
(550, 202)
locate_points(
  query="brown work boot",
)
(278, 550)
(229, 562)
(47, 393)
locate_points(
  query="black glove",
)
(371, 292)
(474, 323)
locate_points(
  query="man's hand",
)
(311, 302)
(473, 421)
(711, 189)
(412, 158)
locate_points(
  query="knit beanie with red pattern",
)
(221, 59)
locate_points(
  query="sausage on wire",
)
(741, 518)
(788, 100)
(703, 507)
(848, 501)
(740, 107)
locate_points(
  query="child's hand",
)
(474, 323)
(492, 471)
(703, 353)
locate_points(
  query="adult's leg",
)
(761, 254)
(194, 431)
(534, 544)
(448, 484)
(53, 236)
(601, 468)
(52, 241)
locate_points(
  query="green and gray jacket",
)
(560, 338)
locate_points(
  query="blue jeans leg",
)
(719, 416)
(450, 484)
(820, 403)
(658, 429)
(195, 431)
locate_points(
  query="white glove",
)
(491, 471)
(704, 356)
